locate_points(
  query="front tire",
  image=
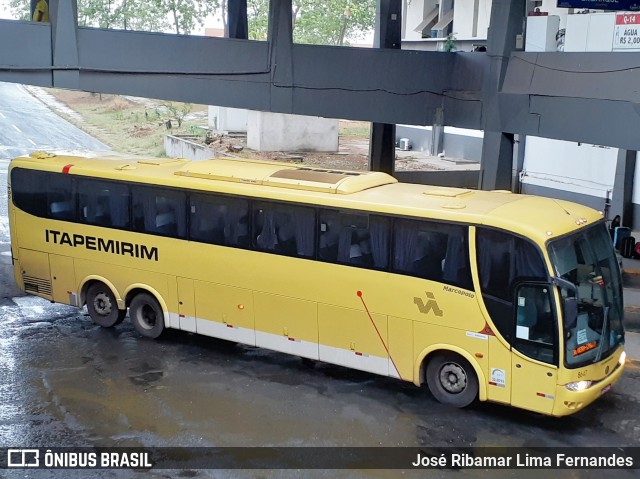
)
(146, 315)
(103, 307)
(452, 380)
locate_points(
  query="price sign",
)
(627, 32)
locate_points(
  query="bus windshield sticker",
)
(582, 336)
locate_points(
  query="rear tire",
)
(103, 307)
(146, 315)
(452, 380)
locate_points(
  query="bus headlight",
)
(623, 358)
(578, 386)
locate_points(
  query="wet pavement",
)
(67, 382)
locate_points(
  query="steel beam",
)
(238, 25)
(388, 35)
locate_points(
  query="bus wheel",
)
(146, 315)
(452, 380)
(103, 307)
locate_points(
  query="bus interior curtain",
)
(149, 211)
(344, 244)
(407, 249)
(234, 226)
(379, 235)
(526, 262)
(305, 232)
(267, 238)
(455, 259)
(119, 209)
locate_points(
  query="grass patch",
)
(355, 129)
(127, 126)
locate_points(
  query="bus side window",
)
(159, 211)
(60, 198)
(28, 191)
(103, 203)
(504, 261)
(433, 251)
(219, 220)
(284, 229)
(355, 239)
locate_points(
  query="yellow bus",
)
(479, 295)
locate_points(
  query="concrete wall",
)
(594, 202)
(458, 142)
(569, 168)
(176, 147)
(223, 119)
(282, 132)
(463, 19)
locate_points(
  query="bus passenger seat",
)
(60, 208)
(165, 221)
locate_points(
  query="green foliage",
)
(333, 22)
(20, 9)
(185, 15)
(450, 43)
(178, 113)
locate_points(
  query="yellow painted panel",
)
(499, 381)
(352, 329)
(475, 343)
(63, 279)
(401, 346)
(533, 384)
(35, 272)
(186, 300)
(34, 263)
(285, 316)
(224, 304)
(123, 278)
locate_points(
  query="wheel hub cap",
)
(453, 378)
(102, 304)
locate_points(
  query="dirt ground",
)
(138, 125)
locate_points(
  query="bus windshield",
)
(587, 260)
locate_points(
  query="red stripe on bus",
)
(66, 169)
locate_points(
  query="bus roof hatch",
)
(285, 176)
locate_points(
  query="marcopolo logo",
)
(23, 458)
(430, 305)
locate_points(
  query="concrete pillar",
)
(621, 201)
(497, 161)
(388, 31)
(505, 30)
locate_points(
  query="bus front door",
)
(534, 358)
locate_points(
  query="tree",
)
(182, 16)
(186, 14)
(20, 9)
(332, 22)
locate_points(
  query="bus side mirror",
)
(570, 312)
